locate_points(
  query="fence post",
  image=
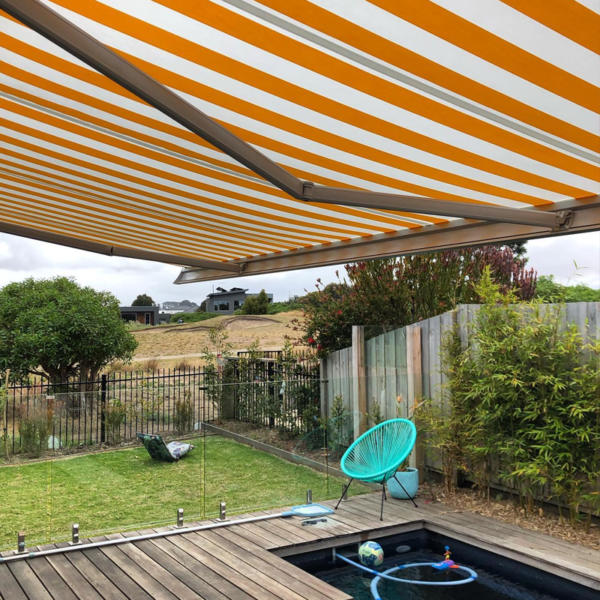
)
(415, 387)
(103, 409)
(323, 392)
(359, 387)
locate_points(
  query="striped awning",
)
(253, 136)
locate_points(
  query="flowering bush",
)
(386, 294)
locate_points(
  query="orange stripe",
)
(191, 209)
(338, 70)
(376, 125)
(167, 223)
(114, 237)
(267, 205)
(157, 141)
(407, 60)
(474, 39)
(126, 114)
(174, 44)
(185, 209)
(569, 18)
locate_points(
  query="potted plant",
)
(405, 483)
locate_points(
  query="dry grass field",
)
(170, 345)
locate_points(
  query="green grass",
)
(127, 489)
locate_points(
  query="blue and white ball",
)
(370, 554)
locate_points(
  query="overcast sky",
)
(571, 259)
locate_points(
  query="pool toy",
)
(370, 554)
(471, 575)
(446, 563)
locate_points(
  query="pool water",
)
(488, 586)
(499, 577)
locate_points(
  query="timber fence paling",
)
(386, 362)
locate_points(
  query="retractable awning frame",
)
(477, 223)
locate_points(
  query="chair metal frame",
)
(382, 448)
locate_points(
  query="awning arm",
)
(94, 53)
(430, 206)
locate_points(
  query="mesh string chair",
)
(377, 453)
(158, 450)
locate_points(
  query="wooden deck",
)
(245, 561)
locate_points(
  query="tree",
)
(256, 305)
(386, 294)
(57, 329)
(143, 300)
(548, 290)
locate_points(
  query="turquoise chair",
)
(375, 456)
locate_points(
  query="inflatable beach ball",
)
(370, 554)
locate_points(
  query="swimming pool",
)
(499, 578)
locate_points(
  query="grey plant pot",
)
(409, 479)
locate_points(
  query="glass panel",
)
(26, 480)
(265, 430)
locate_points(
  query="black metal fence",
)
(279, 391)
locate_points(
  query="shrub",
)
(184, 413)
(114, 415)
(192, 317)
(527, 394)
(33, 430)
(256, 305)
(151, 365)
(389, 293)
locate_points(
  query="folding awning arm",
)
(93, 52)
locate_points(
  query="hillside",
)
(189, 339)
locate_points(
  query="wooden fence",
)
(392, 371)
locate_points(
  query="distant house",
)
(146, 315)
(225, 302)
(172, 308)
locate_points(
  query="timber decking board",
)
(289, 575)
(48, 574)
(85, 570)
(9, 587)
(242, 562)
(272, 561)
(212, 580)
(120, 579)
(28, 580)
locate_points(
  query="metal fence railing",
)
(264, 390)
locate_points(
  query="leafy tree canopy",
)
(548, 290)
(57, 329)
(386, 294)
(143, 300)
(256, 305)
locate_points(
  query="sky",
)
(572, 259)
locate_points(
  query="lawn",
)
(122, 489)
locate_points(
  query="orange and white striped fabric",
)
(488, 101)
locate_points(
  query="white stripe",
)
(339, 92)
(528, 34)
(456, 59)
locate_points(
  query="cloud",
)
(126, 278)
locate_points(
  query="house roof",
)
(244, 137)
(138, 308)
(231, 292)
